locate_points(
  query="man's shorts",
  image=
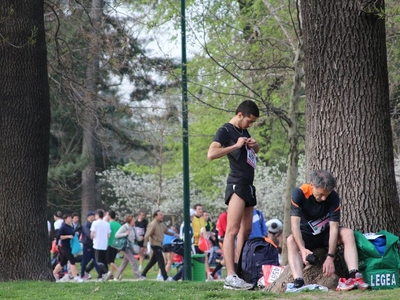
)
(316, 241)
(111, 254)
(244, 191)
(167, 248)
(140, 243)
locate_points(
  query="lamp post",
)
(185, 143)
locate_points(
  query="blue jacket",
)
(86, 240)
(259, 228)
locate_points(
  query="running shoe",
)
(345, 284)
(65, 278)
(359, 282)
(107, 276)
(160, 278)
(233, 282)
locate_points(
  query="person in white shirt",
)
(99, 233)
(58, 220)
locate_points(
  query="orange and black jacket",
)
(305, 206)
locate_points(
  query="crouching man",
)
(315, 217)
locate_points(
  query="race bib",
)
(319, 225)
(251, 157)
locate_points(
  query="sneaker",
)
(107, 275)
(56, 277)
(169, 279)
(233, 282)
(209, 278)
(87, 275)
(78, 279)
(345, 284)
(142, 277)
(65, 278)
(160, 278)
(359, 282)
(292, 288)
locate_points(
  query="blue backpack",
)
(256, 253)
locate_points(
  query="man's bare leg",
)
(294, 257)
(234, 220)
(245, 230)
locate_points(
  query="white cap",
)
(274, 225)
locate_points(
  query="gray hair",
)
(323, 179)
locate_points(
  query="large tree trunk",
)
(24, 140)
(347, 114)
(89, 120)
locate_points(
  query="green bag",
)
(380, 272)
(120, 243)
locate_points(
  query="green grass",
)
(162, 290)
(151, 289)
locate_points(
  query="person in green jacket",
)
(112, 252)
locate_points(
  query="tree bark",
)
(24, 140)
(89, 121)
(347, 112)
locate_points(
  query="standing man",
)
(87, 247)
(100, 232)
(315, 217)
(112, 252)
(155, 233)
(197, 223)
(141, 227)
(75, 224)
(233, 140)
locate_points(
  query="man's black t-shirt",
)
(141, 226)
(315, 216)
(241, 171)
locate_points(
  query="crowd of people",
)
(99, 230)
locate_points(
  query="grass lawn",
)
(152, 289)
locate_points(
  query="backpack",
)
(256, 253)
(379, 271)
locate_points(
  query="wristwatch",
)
(331, 255)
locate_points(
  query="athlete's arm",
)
(328, 268)
(216, 150)
(295, 221)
